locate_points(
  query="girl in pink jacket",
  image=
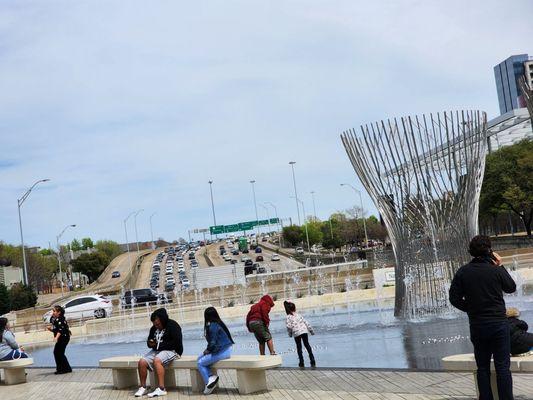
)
(299, 328)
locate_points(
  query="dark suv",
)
(142, 296)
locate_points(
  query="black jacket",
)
(477, 289)
(60, 325)
(521, 339)
(170, 337)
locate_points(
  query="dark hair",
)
(480, 246)
(210, 316)
(60, 310)
(289, 307)
(3, 324)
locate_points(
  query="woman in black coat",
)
(61, 333)
(521, 339)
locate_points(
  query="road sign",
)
(262, 222)
(216, 230)
(200, 230)
(231, 228)
(246, 226)
(274, 220)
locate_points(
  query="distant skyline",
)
(134, 105)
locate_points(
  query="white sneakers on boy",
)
(211, 384)
(141, 392)
(157, 392)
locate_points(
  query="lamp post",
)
(255, 206)
(59, 255)
(279, 221)
(135, 224)
(291, 163)
(314, 207)
(212, 206)
(362, 212)
(305, 225)
(268, 216)
(151, 230)
(126, 232)
(19, 203)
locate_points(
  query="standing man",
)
(166, 344)
(477, 289)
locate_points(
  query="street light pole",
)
(213, 206)
(268, 216)
(362, 212)
(314, 207)
(295, 192)
(305, 225)
(19, 203)
(59, 255)
(255, 206)
(135, 223)
(151, 230)
(126, 232)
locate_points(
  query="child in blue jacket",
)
(219, 344)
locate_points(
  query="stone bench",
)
(467, 363)
(251, 371)
(15, 370)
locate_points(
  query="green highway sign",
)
(274, 220)
(215, 230)
(246, 226)
(232, 228)
(263, 222)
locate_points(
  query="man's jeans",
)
(493, 339)
(204, 362)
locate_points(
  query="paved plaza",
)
(95, 384)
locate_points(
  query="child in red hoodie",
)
(257, 321)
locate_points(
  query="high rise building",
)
(506, 75)
(528, 67)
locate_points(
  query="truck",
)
(243, 244)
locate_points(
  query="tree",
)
(5, 302)
(110, 248)
(75, 245)
(45, 252)
(292, 235)
(313, 231)
(330, 234)
(508, 182)
(91, 265)
(87, 243)
(22, 296)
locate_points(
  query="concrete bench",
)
(15, 370)
(251, 371)
(467, 363)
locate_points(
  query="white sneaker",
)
(211, 384)
(157, 392)
(141, 392)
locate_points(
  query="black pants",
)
(493, 339)
(62, 364)
(305, 339)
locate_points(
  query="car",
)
(235, 252)
(115, 274)
(94, 306)
(248, 263)
(244, 258)
(169, 286)
(185, 283)
(191, 255)
(227, 257)
(258, 250)
(181, 269)
(259, 258)
(261, 270)
(255, 266)
(275, 257)
(140, 296)
(245, 250)
(248, 270)
(233, 261)
(299, 250)
(264, 239)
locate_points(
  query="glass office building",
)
(506, 75)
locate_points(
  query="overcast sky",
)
(137, 104)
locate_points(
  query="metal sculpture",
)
(424, 175)
(527, 94)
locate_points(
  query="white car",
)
(275, 257)
(181, 268)
(227, 257)
(185, 284)
(181, 264)
(94, 306)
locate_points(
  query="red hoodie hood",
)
(268, 300)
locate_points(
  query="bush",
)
(4, 300)
(22, 296)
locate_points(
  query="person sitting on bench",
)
(521, 339)
(9, 349)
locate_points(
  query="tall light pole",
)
(295, 191)
(279, 221)
(314, 207)
(362, 212)
(135, 223)
(268, 215)
(151, 230)
(212, 206)
(255, 206)
(126, 232)
(19, 203)
(59, 255)
(305, 225)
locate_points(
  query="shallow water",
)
(344, 338)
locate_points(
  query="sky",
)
(129, 105)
